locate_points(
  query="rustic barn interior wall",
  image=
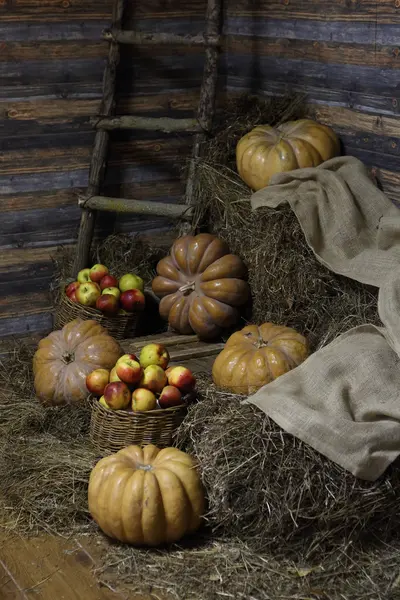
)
(344, 55)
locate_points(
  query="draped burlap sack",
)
(344, 400)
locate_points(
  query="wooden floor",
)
(49, 568)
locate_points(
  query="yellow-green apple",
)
(132, 300)
(71, 288)
(154, 354)
(117, 395)
(97, 380)
(84, 276)
(168, 371)
(108, 281)
(143, 399)
(87, 293)
(108, 304)
(112, 290)
(113, 375)
(128, 369)
(103, 402)
(153, 378)
(129, 281)
(182, 378)
(170, 396)
(97, 272)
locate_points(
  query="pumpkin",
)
(65, 357)
(201, 286)
(267, 150)
(146, 496)
(257, 355)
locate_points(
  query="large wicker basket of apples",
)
(97, 294)
(140, 401)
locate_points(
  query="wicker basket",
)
(119, 327)
(111, 430)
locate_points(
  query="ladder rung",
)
(128, 205)
(150, 39)
(165, 124)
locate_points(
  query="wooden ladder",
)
(106, 122)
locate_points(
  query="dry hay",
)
(249, 548)
(288, 285)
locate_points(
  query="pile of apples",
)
(97, 288)
(142, 384)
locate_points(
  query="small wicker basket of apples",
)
(142, 400)
(115, 303)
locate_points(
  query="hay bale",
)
(274, 492)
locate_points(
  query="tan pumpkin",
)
(65, 357)
(146, 496)
(267, 150)
(257, 355)
(200, 285)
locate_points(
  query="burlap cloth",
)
(344, 400)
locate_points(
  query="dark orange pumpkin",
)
(201, 285)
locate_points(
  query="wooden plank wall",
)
(51, 65)
(344, 54)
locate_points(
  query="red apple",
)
(73, 297)
(84, 276)
(153, 378)
(97, 380)
(132, 300)
(117, 395)
(154, 354)
(97, 272)
(108, 281)
(124, 356)
(182, 378)
(170, 396)
(128, 370)
(143, 399)
(71, 288)
(168, 371)
(87, 293)
(108, 304)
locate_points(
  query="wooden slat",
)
(72, 156)
(126, 205)
(373, 55)
(52, 50)
(164, 124)
(151, 39)
(354, 120)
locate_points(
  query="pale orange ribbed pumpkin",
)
(257, 355)
(146, 496)
(266, 150)
(65, 357)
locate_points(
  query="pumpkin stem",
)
(188, 287)
(68, 357)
